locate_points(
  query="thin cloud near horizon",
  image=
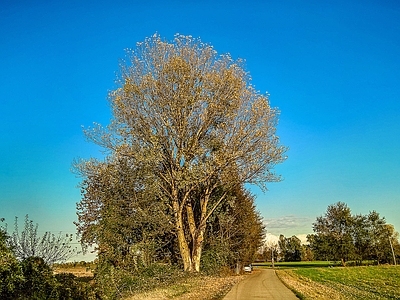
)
(289, 225)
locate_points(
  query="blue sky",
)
(332, 68)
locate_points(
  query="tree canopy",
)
(339, 235)
(191, 124)
(290, 248)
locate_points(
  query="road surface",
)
(262, 284)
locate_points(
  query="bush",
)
(115, 282)
(215, 259)
(33, 279)
(39, 280)
(11, 277)
(70, 288)
(110, 281)
(39, 283)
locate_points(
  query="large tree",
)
(382, 237)
(341, 236)
(336, 228)
(193, 123)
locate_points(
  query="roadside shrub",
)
(115, 282)
(39, 281)
(110, 282)
(11, 277)
(214, 260)
(159, 274)
(32, 278)
(69, 287)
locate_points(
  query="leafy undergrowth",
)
(374, 282)
(192, 288)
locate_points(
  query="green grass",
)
(373, 282)
(297, 264)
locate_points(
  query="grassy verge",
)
(192, 288)
(374, 282)
(160, 282)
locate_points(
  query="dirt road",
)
(262, 284)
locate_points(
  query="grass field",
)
(298, 264)
(78, 271)
(373, 282)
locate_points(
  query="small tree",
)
(306, 253)
(362, 238)
(320, 246)
(235, 231)
(51, 248)
(271, 250)
(290, 248)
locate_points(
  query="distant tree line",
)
(340, 236)
(288, 249)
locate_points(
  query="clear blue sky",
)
(332, 68)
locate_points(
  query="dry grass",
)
(199, 287)
(307, 288)
(78, 271)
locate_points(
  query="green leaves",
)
(341, 236)
(186, 124)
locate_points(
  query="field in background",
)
(319, 282)
(79, 269)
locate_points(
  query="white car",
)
(248, 268)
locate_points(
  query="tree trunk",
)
(191, 256)
(182, 242)
(197, 249)
(183, 246)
